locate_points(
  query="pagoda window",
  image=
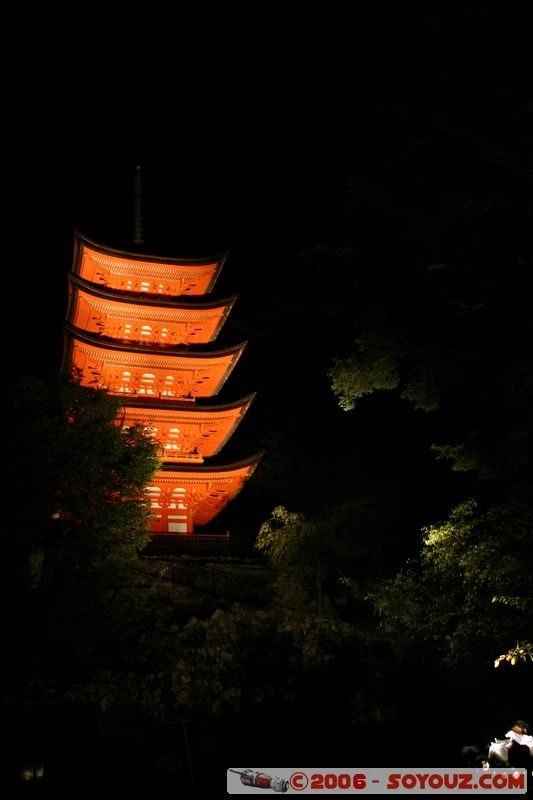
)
(146, 332)
(147, 383)
(126, 380)
(164, 333)
(145, 286)
(127, 330)
(173, 437)
(178, 499)
(177, 522)
(168, 387)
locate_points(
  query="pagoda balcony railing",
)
(168, 455)
(143, 395)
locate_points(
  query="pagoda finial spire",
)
(137, 222)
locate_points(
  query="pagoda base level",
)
(166, 544)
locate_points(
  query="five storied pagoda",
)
(140, 327)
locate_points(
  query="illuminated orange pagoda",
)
(141, 327)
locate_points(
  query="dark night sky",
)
(248, 121)
(245, 120)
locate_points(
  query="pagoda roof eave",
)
(81, 239)
(211, 488)
(206, 428)
(186, 405)
(166, 352)
(185, 302)
(219, 469)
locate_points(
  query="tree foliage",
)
(291, 542)
(237, 659)
(85, 474)
(78, 517)
(522, 652)
(348, 538)
(453, 597)
(437, 252)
